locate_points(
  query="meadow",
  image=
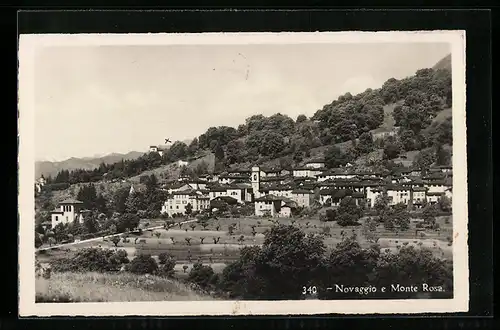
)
(74, 287)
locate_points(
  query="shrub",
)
(165, 258)
(143, 264)
(91, 259)
(201, 275)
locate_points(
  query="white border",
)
(27, 306)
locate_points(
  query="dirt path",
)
(100, 238)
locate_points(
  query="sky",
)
(96, 100)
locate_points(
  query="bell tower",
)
(256, 181)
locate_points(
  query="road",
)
(102, 237)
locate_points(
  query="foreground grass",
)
(97, 287)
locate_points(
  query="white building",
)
(306, 172)
(303, 197)
(182, 163)
(177, 202)
(69, 210)
(333, 175)
(371, 195)
(398, 194)
(315, 164)
(433, 197)
(274, 206)
(419, 196)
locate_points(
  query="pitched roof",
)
(301, 191)
(269, 198)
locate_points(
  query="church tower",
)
(256, 181)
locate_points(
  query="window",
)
(177, 206)
(170, 206)
(67, 218)
(57, 218)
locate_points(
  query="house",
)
(270, 172)
(306, 172)
(197, 184)
(332, 196)
(240, 192)
(335, 173)
(419, 197)
(303, 197)
(157, 150)
(176, 187)
(318, 163)
(278, 190)
(398, 194)
(69, 210)
(177, 201)
(434, 196)
(182, 163)
(371, 195)
(274, 206)
(435, 186)
(231, 178)
(442, 168)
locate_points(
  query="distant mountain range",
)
(51, 168)
(444, 63)
(88, 163)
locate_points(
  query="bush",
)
(201, 275)
(167, 265)
(91, 259)
(143, 264)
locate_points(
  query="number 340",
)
(309, 290)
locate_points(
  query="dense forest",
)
(417, 101)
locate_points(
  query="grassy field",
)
(96, 287)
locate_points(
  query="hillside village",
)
(373, 168)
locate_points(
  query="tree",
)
(369, 230)
(38, 240)
(401, 217)
(127, 221)
(287, 260)
(193, 226)
(429, 215)
(201, 275)
(443, 156)
(216, 239)
(350, 265)
(188, 240)
(202, 239)
(407, 138)
(391, 150)
(410, 265)
(334, 157)
(157, 234)
(365, 144)
(301, 118)
(348, 212)
(424, 159)
(143, 264)
(444, 204)
(189, 209)
(167, 265)
(115, 240)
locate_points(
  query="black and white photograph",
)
(242, 173)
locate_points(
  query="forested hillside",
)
(414, 110)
